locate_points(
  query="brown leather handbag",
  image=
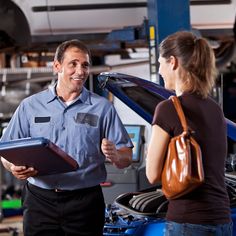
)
(183, 169)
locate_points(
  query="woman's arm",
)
(156, 154)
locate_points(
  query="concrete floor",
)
(11, 226)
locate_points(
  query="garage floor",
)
(11, 226)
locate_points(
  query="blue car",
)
(142, 213)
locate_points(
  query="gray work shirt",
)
(78, 129)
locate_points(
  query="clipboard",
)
(40, 153)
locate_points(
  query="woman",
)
(187, 65)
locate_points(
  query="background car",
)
(41, 22)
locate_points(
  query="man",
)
(84, 125)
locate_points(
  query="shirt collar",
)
(84, 97)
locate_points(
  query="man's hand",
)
(121, 158)
(20, 172)
(109, 150)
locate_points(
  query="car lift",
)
(164, 18)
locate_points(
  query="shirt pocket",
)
(42, 127)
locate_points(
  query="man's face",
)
(73, 71)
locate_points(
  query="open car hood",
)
(142, 96)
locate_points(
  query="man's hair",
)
(60, 51)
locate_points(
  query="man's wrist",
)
(6, 164)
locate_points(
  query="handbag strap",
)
(180, 112)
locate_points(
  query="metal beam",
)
(164, 18)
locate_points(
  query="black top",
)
(208, 204)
